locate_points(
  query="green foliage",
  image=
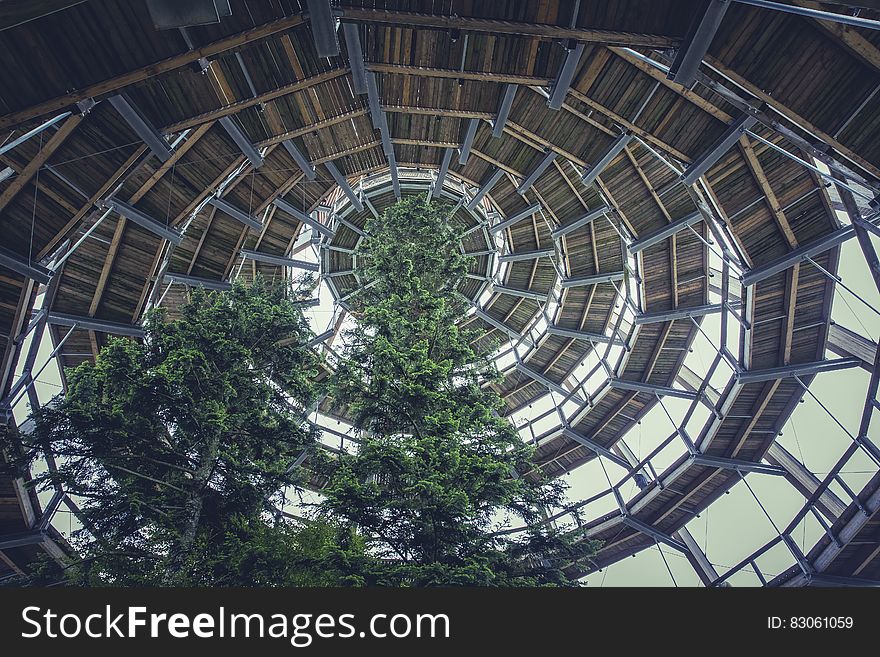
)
(438, 466)
(177, 445)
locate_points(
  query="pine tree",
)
(437, 467)
(179, 445)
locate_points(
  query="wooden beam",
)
(24, 177)
(681, 90)
(90, 204)
(114, 84)
(237, 105)
(311, 127)
(439, 111)
(494, 26)
(791, 115)
(773, 203)
(846, 37)
(518, 131)
(673, 241)
(644, 134)
(455, 74)
(116, 240)
(760, 405)
(107, 267)
(790, 305)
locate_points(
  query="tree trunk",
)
(193, 509)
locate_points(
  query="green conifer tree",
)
(178, 446)
(437, 467)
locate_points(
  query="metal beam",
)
(571, 434)
(700, 562)
(583, 220)
(498, 324)
(560, 86)
(318, 339)
(797, 474)
(17, 263)
(356, 229)
(613, 151)
(525, 294)
(468, 142)
(588, 336)
(801, 369)
(142, 127)
(343, 184)
(847, 343)
(715, 152)
(281, 261)
(35, 131)
(94, 324)
(547, 383)
(323, 28)
(355, 57)
(197, 281)
(547, 160)
(485, 189)
(392, 166)
(376, 115)
(444, 169)
(650, 388)
(677, 313)
(143, 220)
(691, 52)
(235, 213)
(795, 256)
(504, 110)
(241, 140)
(281, 204)
(22, 539)
(594, 279)
(818, 14)
(518, 256)
(519, 216)
(301, 160)
(654, 533)
(665, 232)
(737, 464)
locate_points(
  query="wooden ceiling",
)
(811, 84)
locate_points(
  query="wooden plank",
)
(772, 202)
(234, 106)
(495, 26)
(790, 306)
(644, 134)
(846, 37)
(24, 176)
(793, 116)
(681, 90)
(115, 243)
(114, 84)
(455, 74)
(116, 240)
(760, 405)
(90, 204)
